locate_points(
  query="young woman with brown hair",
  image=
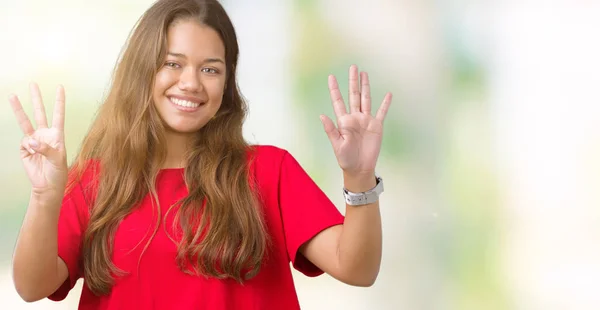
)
(168, 207)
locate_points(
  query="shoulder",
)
(84, 172)
(269, 162)
(84, 177)
(267, 151)
(267, 156)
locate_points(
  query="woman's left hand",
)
(357, 138)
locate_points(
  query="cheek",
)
(216, 90)
(162, 82)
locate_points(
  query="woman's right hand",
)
(43, 149)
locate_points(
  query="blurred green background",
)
(490, 149)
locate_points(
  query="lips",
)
(187, 104)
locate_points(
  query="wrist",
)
(359, 182)
(46, 197)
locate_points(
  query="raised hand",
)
(357, 138)
(43, 149)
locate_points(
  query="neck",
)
(177, 146)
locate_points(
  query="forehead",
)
(195, 40)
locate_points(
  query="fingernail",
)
(33, 143)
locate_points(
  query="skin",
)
(194, 71)
(351, 252)
(37, 269)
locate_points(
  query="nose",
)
(189, 81)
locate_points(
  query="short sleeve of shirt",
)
(305, 211)
(71, 228)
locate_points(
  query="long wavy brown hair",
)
(222, 231)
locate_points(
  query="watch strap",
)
(364, 198)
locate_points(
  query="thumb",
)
(52, 154)
(332, 133)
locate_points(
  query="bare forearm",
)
(36, 253)
(359, 251)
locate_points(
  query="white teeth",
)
(185, 103)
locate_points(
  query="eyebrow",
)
(207, 60)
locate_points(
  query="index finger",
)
(58, 119)
(22, 118)
(337, 100)
(39, 113)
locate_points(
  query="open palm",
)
(43, 149)
(356, 140)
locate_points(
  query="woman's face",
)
(189, 86)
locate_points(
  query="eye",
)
(210, 70)
(171, 64)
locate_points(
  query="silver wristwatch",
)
(364, 198)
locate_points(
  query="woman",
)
(167, 207)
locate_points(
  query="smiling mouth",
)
(185, 103)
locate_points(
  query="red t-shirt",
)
(295, 210)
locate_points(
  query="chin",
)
(182, 129)
(178, 122)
